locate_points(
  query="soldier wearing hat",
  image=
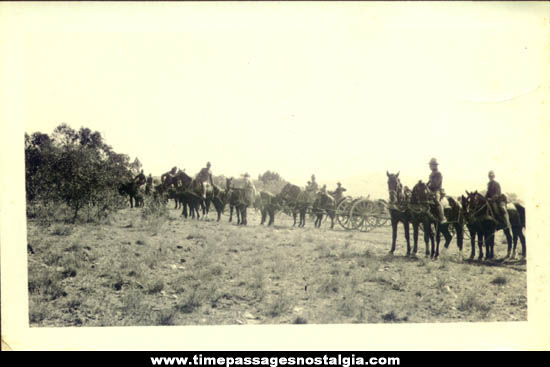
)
(312, 185)
(497, 200)
(435, 184)
(338, 193)
(168, 174)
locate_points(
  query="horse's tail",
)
(521, 211)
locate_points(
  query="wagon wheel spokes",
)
(361, 215)
(343, 213)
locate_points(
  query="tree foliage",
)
(76, 168)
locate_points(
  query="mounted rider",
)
(435, 184)
(204, 175)
(312, 185)
(170, 174)
(140, 179)
(338, 193)
(497, 201)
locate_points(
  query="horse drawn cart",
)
(362, 214)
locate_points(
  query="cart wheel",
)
(343, 213)
(361, 215)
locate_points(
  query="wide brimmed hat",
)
(246, 175)
(434, 161)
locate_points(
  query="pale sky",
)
(345, 91)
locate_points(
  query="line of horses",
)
(472, 211)
(416, 207)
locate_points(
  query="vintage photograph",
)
(279, 164)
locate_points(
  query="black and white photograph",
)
(307, 166)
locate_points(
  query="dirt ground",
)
(136, 270)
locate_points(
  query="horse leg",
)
(230, 213)
(394, 223)
(415, 238)
(294, 214)
(407, 237)
(244, 222)
(427, 230)
(480, 239)
(271, 213)
(508, 241)
(459, 236)
(332, 221)
(523, 244)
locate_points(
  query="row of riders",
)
(196, 195)
(426, 206)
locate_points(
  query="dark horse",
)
(239, 199)
(455, 220)
(400, 213)
(297, 200)
(132, 189)
(218, 198)
(269, 204)
(481, 219)
(324, 204)
(424, 210)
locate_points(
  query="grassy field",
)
(140, 270)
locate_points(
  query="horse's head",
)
(228, 182)
(394, 187)
(420, 192)
(473, 201)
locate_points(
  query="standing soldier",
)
(497, 200)
(435, 184)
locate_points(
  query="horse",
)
(239, 199)
(424, 210)
(481, 218)
(269, 204)
(132, 189)
(324, 204)
(400, 213)
(455, 219)
(218, 198)
(297, 200)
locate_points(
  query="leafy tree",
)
(75, 168)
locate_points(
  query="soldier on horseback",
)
(312, 185)
(140, 179)
(338, 193)
(168, 175)
(205, 175)
(435, 184)
(497, 200)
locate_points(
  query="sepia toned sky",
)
(345, 91)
